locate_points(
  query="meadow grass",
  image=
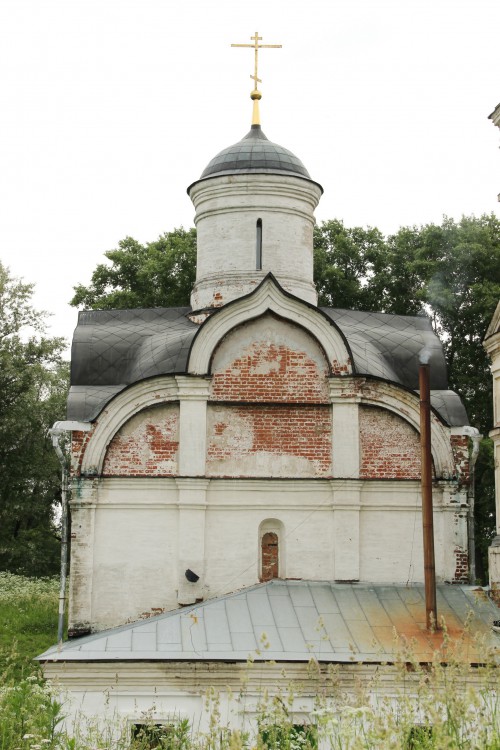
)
(433, 707)
(28, 619)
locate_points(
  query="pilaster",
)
(192, 501)
(495, 436)
(193, 397)
(192, 493)
(345, 428)
(82, 508)
(494, 549)
(346, 524)
(494, 569)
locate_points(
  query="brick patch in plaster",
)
(147, 445)
(271, 373)
(460, 448)
(269, 360)
(390, 447)
(269, 441)
(79, 442)
(341, 368)
(461, 566)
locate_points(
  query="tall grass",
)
(428, 707)
(28, 625)
(28, 621)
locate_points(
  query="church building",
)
(249, 466)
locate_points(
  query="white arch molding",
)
(268, 297)
(156, 391)
(406, 406)
(131, 401)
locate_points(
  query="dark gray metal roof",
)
(295, 621)
(116, 348)
(449, 406)
(113, 349)
(388, 346)
(255, 153)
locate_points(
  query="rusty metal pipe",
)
(427, 515)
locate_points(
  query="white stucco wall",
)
(227, 210)
(332, 530)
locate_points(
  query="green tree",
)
(33, 387)
(346, 264)
(484, 509)
(158, 274)
(359, 269)
(462, 261)
(462, 293)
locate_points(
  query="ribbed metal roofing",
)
(298, 620)
(255, 153)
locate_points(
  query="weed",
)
(444, 705)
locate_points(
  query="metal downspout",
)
(56, 432)
(56, 435)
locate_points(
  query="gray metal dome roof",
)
(255, 153)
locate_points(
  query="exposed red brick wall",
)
(79, 440)
(260, 362)
(271, 373)
(263, 440)
(270, 556)
(147, 445)
(461, 566)
(460, 448)
(341, 368)
(390, 447)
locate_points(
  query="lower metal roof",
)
(299, 620)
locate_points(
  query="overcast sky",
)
(111, 108)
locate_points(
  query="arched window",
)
(272, 558)
(258, 250)
(269, 556)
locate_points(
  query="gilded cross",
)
(256, 46)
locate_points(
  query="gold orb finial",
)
(256, 95)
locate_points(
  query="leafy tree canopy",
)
(33, 386)
(159, 274)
